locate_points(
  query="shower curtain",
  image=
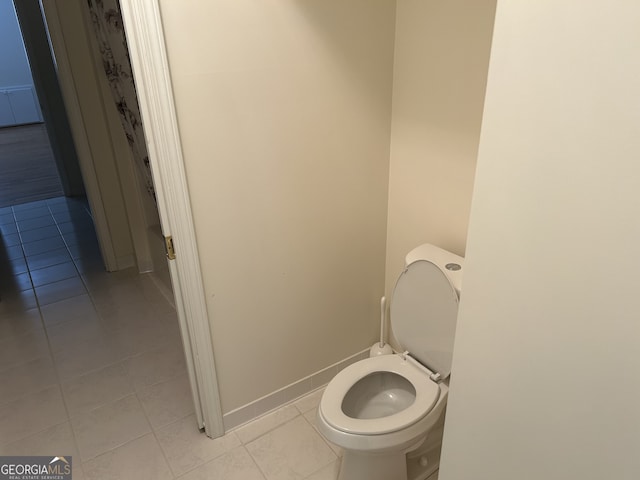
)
(109, 31)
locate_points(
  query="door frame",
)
(145, 37)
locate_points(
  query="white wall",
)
(284, 110)
(18, 99)
(14, 66)
(546, 365)
(441, 61)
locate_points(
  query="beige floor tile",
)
(264, 424)
(67, 335)
(55, 441)
(312, 417)
(235, 465)
(18, 323)
(330, 472)
(90, 391)
(168, 401)
(122, 299)
(87, 357)
(17, 301)
(109, 426)
(140, 459)
(187, 448)
(31, 414)
(23, 348)
(156, 366)
(61, 290)
(97, 281)
(290, 452)
(26, 378)
(157, 293)
(134, 313)
(68, 309)
(143, 338)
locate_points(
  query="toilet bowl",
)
(381, 410)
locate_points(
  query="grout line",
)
(164, 455)
(116, 447)
(216, 457)
(262, 472)
(315, 429)
(21, 439)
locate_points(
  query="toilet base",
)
(418, 464)
(416, 470)
(373, 467)
(425, 460)
(387, 467)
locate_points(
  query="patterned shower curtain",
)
(109, 31)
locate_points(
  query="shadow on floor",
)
(27, 164)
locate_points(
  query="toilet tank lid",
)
(442, 258)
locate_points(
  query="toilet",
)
(387, 412)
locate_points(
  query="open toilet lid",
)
(424, 310)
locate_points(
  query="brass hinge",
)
(168, 246)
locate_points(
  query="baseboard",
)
(287, 394)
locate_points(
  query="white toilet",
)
(387, 412)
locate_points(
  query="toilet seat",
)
(427, 393)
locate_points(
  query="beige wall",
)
(284, 110)
(546, 362)
(441, 61)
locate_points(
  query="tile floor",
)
(91, 365)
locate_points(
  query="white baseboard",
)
(287, 394)
(19, 106)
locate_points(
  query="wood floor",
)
(27, 167)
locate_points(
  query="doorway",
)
(32, 166)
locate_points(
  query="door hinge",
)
(168, 245)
